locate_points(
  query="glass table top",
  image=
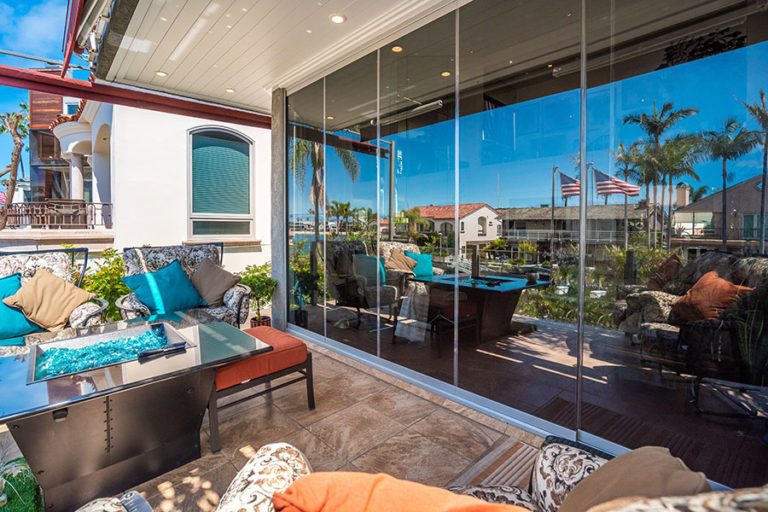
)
(488, 283)
(213, 344)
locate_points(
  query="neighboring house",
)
(136, 177)
(605, 223)
(700, 223)
(479, 223)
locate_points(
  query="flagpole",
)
(552, 241)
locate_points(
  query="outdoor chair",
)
(352, 280)
(140, 260)
(559, 468)
(61, 263)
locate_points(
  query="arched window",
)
(462, 226)
(220, 184)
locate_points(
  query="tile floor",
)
(361, 423)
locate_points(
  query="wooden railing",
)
(60, 214)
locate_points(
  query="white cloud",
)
(33, 28)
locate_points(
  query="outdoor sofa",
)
(61, 263)
(140, 260)
(559, 469)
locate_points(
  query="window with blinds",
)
(220, 184)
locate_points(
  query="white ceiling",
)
(209, 46)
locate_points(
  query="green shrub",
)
(20, 487)
(106, 281)
(259, 279)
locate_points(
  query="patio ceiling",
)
(235, 51)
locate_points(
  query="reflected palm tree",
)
(730, 143)
(627, 160)
(759, 111)
(679, 154)
(414, 219)
(655, 124)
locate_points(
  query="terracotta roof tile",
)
(446, 212)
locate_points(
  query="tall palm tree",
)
(680, 154)
(759, 111)
(345, 212)
(16, 124)
(730, 143)
(627, 160)
(333, 210)
(655, 124)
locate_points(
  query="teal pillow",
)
(13, 323)
(423, 266)
(166, 290)
(367, 266)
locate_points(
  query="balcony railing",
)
(595, 236)
(60, 214)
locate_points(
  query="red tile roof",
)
(447, 212)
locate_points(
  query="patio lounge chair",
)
(560, 466)
(61, 263)
(139, 260)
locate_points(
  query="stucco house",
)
(479, 223)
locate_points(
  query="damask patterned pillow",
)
(740, 500)
(557, 470)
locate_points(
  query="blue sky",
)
(34, 27)
(506, 155)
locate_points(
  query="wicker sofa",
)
(702, 348)
(139, 260)
(559, 467)
(60, 263)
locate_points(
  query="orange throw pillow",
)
(363, 492)
(707, 299)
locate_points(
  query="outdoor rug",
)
(510, 463)
(735, 466)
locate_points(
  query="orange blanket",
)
(362, 492)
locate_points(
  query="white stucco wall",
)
(471, 232)
(149, 181)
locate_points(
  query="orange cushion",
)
(707, 299)
(362, 492)
(286, 351)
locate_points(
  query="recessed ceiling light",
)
(511, 62)
(309, 31)
(337, 18)
(330, 118)
(549, 65)
(397, 49)
(229, 26)
(244, 9)
(161, 74)
(163, 18)
(445, 73)
(229, 90)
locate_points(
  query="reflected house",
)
(479, 223)
(699, 224)
(605, 223)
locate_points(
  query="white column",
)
(76, 186)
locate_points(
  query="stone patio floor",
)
(362, 422)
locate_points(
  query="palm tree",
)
(414, 219)
(679, 154)
(16, 124)
(627, 159)
(759, 111)
(730, 143)
(655, 124)
(345, 212)
(333, 210)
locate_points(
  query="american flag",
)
(569, 187)
(2, 198)
(607, 185)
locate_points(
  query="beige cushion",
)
(212, 282)
(650, 471)
(399, 261)
(48, 300)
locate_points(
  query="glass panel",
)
(417, 116)
(358, 301)
(221, 174)
(306, 208)
(668, 83)
(518, 204)
(216, 227)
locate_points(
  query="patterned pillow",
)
(740, 500)
(557, 470)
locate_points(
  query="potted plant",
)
(259, 279)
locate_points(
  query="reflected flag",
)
(569, 187)
(607, 185)
(2, 199)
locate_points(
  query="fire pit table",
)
(100, 410)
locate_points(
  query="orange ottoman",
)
(288, 355)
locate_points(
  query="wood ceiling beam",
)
(36, 81)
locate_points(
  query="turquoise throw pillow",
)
(165, 290)
(367, 266)
(13, 323)
(423, 266)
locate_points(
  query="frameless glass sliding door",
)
(672, 88)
